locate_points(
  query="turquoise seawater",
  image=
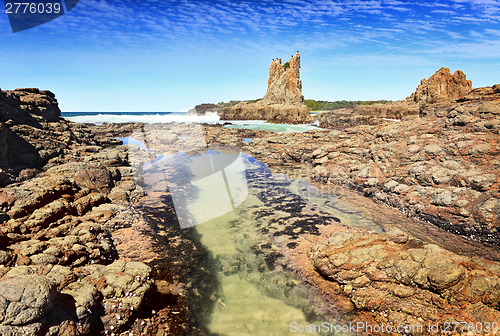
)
(260, 125)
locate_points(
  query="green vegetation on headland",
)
(234, 102)
(314, 105)
(320, 105)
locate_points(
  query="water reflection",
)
(204, 183)
(250, 220)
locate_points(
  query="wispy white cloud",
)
(266, 24)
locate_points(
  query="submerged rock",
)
(435, 165)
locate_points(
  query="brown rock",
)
(441, 85)
(285, 113)
(283, 101)
(384, 276)
(284, 84)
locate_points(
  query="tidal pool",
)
(248, 220)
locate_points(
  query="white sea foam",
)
(209, 117)
(143, 118)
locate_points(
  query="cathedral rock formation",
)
(283, 101)
(284, 85)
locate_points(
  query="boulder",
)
(442, 85)
(29, 105)
(25, 300)
(396, 277)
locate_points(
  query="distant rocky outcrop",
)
(441, 86)
(284, 85)
(367, 114)
(283, 101)
(202, 109)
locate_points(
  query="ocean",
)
(181, 117)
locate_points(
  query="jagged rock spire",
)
(284, 85)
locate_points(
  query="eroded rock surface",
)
(58, 249)
(394, 279)
(442, 85)
(73, 247)
(283, 101)
(441, 166)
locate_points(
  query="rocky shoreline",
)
(78, 247)
(440, 165)
(84, 250)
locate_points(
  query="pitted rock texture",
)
(394, 279)
(58, 300)
(442, 85)
(59, 271)
(283, 101)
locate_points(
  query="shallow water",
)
(262, 125)
(181, 117)
(258, 292)
(249, 220)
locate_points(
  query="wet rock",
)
(416, 165)
(384, 273)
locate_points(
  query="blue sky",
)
(154, 55)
